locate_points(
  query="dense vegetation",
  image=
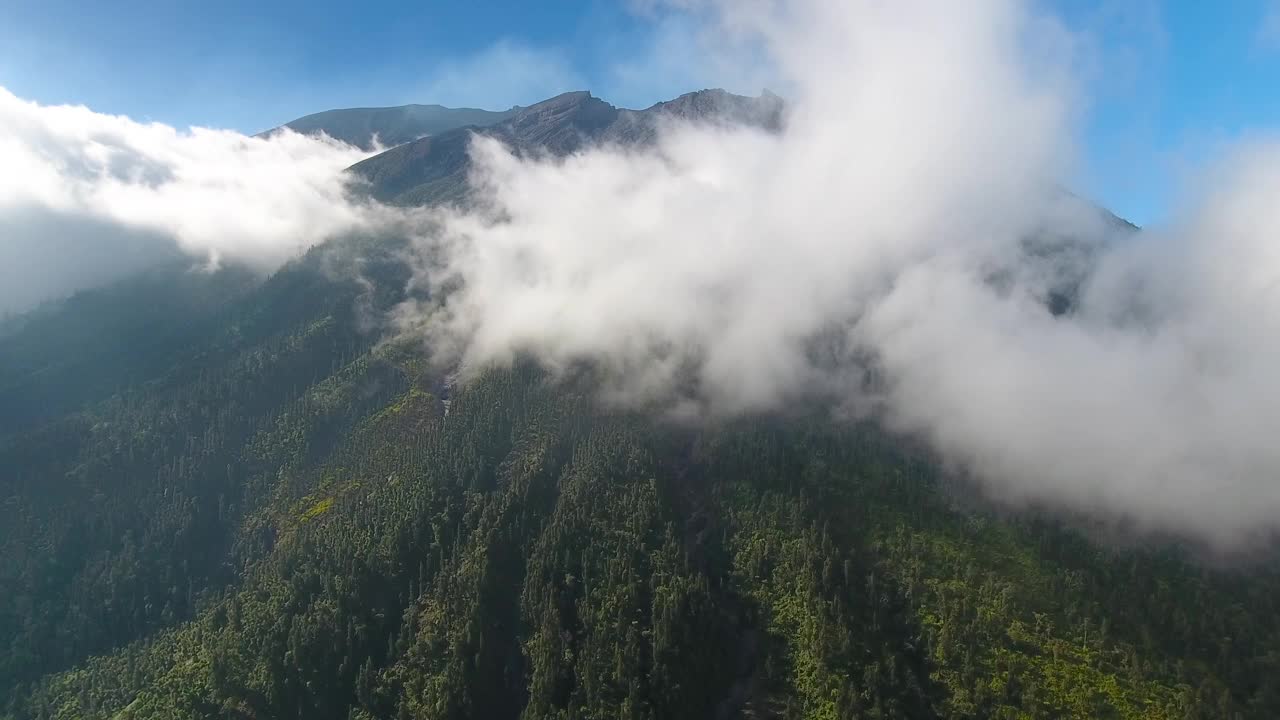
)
(226, 497)
(265, 512)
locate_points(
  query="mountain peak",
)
(368, 127)
(720, 106)
(573, 97)
(562, 123)
(564, 105)
(434, 169)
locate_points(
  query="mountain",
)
(225, 497)
(392, 126)
(434, 169)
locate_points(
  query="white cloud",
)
(85, 197)
(870, 255)
(913, 133)
(731, 272)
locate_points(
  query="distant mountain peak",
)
(563, 122)
(369, 127)
(572, 97)
(433, 169)
(720, 106)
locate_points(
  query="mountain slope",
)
(137, 327)
(434, 169)
(527, 554)
(275, 512)
(392, 126)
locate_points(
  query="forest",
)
(228, 498)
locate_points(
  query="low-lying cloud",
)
(900, 250)
(896, 250)
(87, 197)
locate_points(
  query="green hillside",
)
(286, 522)
(224, 496)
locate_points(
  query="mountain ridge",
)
(263, 510)
(433, 168)
(371, 127)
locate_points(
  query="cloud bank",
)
(87, 197)
(895, 250)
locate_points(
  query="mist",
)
(897, 252)
(886, 254)
(86, 198)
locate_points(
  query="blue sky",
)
(1169, 81)
(1175, 82)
